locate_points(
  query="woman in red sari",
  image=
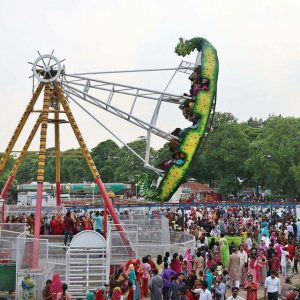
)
(86, 223)
(175, 264)
(52, 223)
(210, 261)
(57, 226)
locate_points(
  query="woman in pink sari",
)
(261, 267)
(188, 256)
(252, 268)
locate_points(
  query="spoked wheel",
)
(46, 68)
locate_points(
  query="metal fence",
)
(123, 243)
(19, 210)
(155, 237)
(180, 242)
(155, 230)
(8, 241)
(30, 278)
(16, 227)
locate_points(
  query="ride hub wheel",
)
(46, 68)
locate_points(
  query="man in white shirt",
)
(266, 240)
(278, 225)
(290, 229)
(243, 262)
(272, 286)
(249, 242)
(284, 254)
(234, 296)
(198, 214)
(190, 222)
(204, 293)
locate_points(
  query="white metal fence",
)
(123, 243)
(155, 237)
(8, 241)
(27, 271)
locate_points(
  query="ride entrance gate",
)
(87, 263)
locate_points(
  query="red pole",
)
(105, 220)
(3, 195)
(37, 224)
(58, 201)
(107, 203)
(3, 212)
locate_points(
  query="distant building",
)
(193, 190)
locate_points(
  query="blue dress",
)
(132, 278)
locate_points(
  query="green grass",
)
(238, 240)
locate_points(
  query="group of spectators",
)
(263, 256)
(242, 250)
(58, 224)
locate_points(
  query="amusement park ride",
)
(60, 88)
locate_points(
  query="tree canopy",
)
(236, 155)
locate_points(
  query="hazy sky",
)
(258, 44)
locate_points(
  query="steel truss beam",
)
(115, 88)
(71, 91)
(78, 86)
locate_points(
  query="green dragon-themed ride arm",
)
(192, 137)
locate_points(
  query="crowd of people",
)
(67, 224)
(266, 256)
(249, 249)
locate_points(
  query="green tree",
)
(129, 166)
(219, 161)
(6, 172)
(278, 155)
(28, 169)
(106, 156)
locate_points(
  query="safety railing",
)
(155, 237)
(9, 232)
(121, 251)
(31, 267)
